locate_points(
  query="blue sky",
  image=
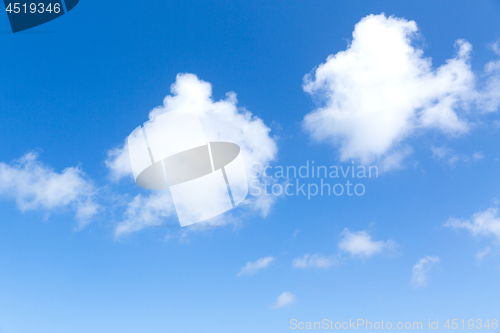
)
(74, 88)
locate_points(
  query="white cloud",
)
(382, 89)
(222, 121)
(440, 152)
(253, 267)
(479, 155)
(495, 47)
(285, 299)
(361, 244)
(314, 261)
(35, 186)
(483, 253)
(145, 211)
(489, 97)
(485, 223)
(421, 270)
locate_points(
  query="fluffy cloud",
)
(35, 186)
(382, 88)
(314, 261)
(485, 223)
(357, 244)
(145, 211)
(421, 270)
(489, 97)
(222, 121)
(118, 163)
(361, 244)
(285, 299)
(253, 267)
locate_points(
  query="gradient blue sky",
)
(75, 87)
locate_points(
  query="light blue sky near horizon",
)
(77, 86)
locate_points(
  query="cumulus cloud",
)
(222, 121)
(360, 244)
(486, 223)
(253, 267)
(382, 88)
(421, 270)
(314, 261)
(35, 186)
(285, 299)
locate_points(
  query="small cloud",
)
(253, 267)
(145, 211)
(440, 152)
(483, 253)
(421, 270)
(36, 186)
(361, 244)
(478, 156)
(485, 223)
(295, 233)
(495, 47)
(285, 299)
(314, 261)
(451, 158)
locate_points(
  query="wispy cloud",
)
(495, 47)
(420, 277)
(382, 88)
(314, 261)
(486, 223)
(483, 253)
(118, 163)
(361, 244)
(253, 267)
(284, 300)
(452, 159)
(145, 211)
(36, 186)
